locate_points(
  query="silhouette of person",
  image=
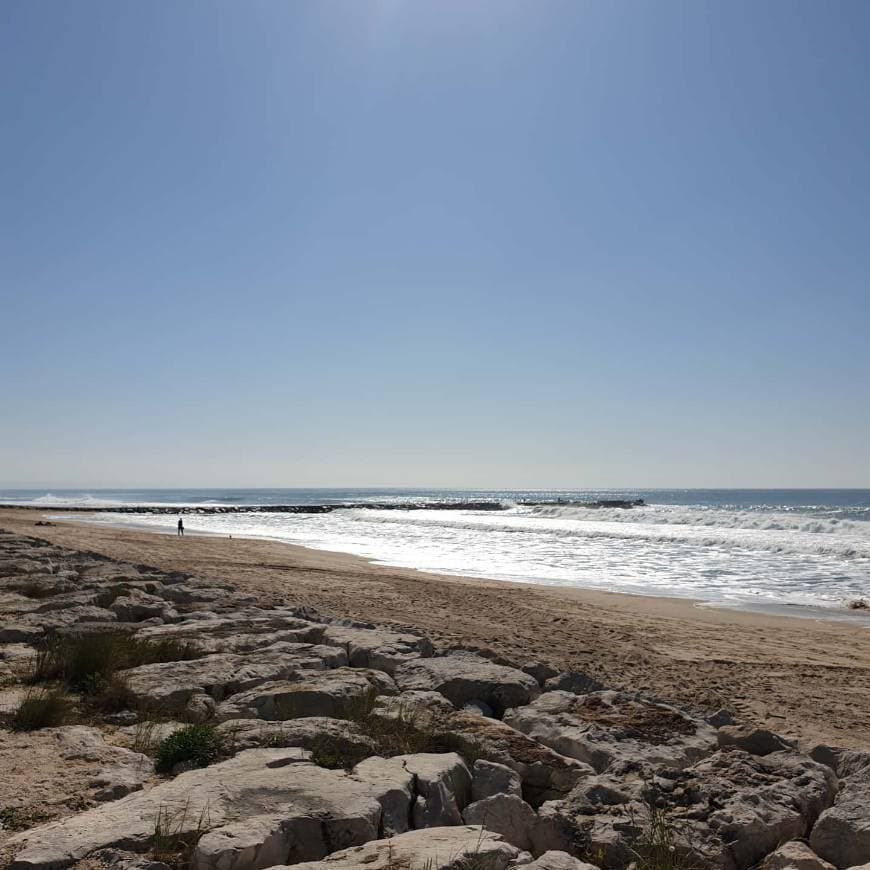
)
(180, 527)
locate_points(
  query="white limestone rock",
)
(462, 677)
(450, 848)
(607, 728)
(334, 693)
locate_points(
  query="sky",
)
(487, 243)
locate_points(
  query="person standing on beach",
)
(180, 528)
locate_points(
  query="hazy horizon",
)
(454, 244)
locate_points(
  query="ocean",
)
(802, 549)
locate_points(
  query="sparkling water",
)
(738, 547)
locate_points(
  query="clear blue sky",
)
(438, 243)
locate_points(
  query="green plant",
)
(143, 736)
(42, 708)
(361, 708)
(20, 819)
(337, 753)
(660, 846)
(87, 661)
(110, 696)
(193, 745)
(174, 839)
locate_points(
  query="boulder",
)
(240, 631)
(842, 833)
(378, 648)
(489, 778)
(607, 728)
(545, 774)
(224, 674)
(539, 671)
(119, 859)
(306, 733)
(728, 811)
(795, 855)
(442, 785)
(118, 771)
(506, 814)
(756, 741)
(451, 848)
(555, 860)
(462, 677)
(262, 807)
(136, 605)
(414, 706)
(575, 682)
(478, 708)
(846, 763)
(395, 790)
(336, 693)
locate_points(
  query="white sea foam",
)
(781, 556)
(51, 500)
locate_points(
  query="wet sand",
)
(808, 679)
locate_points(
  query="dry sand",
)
(808, 679)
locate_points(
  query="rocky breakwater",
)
(152, 720)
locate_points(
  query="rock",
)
(306, 733)
(506, 814)
(845, 763)
(756, 741)
(395, 791)
(606, 728)
(720, 717)
(336, 693)
(538, 671)
(119, 770)
(377, 648)
(118, 859)
(555, 860)
(430, 789)
(575, 682)
(489, 778)
(240, 632)
(262, 807)
(20, 632)
(136, 605)
(414, 706)
(224, 674)
(443, 786)
(122, 717)
(795, 855)
(450, 848)
(728, 811)
(478, 708)
(842, 833)
(200, 708)
(463, 677)
(545, 774)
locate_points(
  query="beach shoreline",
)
(806, 679)
(859, 617)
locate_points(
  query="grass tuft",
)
(42, 708)
(193, 746)
(173, 843)
(657, 847)
(88, 661)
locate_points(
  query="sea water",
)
(800, 548)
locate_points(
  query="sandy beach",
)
(806, 679)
